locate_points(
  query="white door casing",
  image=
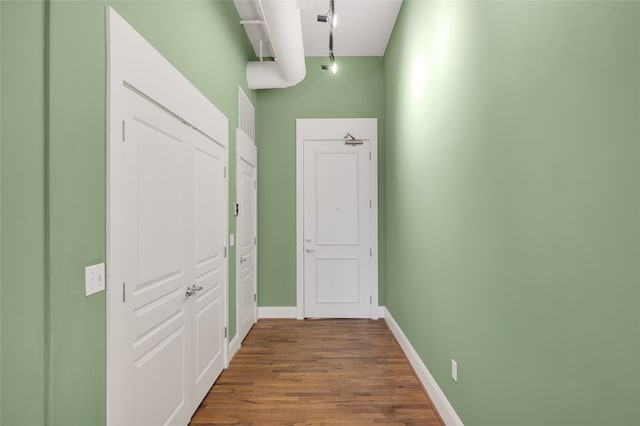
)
(166, 228)
(246, 233)
(337, 272)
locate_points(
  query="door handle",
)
(191, 290)
(242, 260)
(310, 250)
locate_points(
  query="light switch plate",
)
(94, 279)
(232, 240)
(454, 370)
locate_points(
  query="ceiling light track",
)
(332, 19)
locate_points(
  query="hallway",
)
(318, 372)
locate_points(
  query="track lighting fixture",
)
(333, 67)
(332, 19)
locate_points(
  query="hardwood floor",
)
(318, 372)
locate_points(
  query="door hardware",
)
(310, 250)
(191, 290)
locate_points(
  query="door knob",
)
(310, 250)
(242, 259)
(191, 290)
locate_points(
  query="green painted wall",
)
(23, 296)
(53, 184)
(512, 142)
(357, 91)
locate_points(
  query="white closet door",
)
(171, 230)
(159, 210)
(246, 223)
(207, 303)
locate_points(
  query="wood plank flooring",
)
(318, 372)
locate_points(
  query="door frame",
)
(246, 148)
(131, 59)
(317, 129)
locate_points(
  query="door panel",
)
(162, 368)
(246, 233)
(157, 332)
(246, 189)
(176, 203)
(208, 177)
(337, 221)
(337, 281)
(208, 320)
(336, 206)
(160, 202)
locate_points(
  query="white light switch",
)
(454, 370)
(94, 279)
(232, 240)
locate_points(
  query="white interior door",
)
(246, 224)
(208, 316)
(337, 220)
(159, 227)
(168, 224)
(166, 231)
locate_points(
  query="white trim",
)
(233, 348)
(363, 128)
(277, 312)
(445, 409)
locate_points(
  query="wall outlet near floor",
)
(94, 279)
(454, 370)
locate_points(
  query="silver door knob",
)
(191, 290)
(310, 250)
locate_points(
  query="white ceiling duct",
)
(274, 29)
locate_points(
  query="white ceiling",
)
(363, 27)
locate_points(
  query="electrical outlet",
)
(454, 370)
(94, 279)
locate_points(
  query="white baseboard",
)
(277, 312)
(233, 347)
(438, 398)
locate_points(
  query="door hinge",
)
(255, 185)
(225, 251)
(371, 300)
(124, 289)
(370, 204)
(225, 171)
(123, 134)
(225, 332)
(370, 251)
(369, 156)
(255, 297)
